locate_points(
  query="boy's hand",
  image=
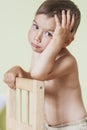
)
(63, 28)
(10, 76)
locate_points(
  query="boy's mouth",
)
(34, 45)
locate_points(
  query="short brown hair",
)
(50, 7)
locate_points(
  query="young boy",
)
(53, 29)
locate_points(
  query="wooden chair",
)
(37, 89)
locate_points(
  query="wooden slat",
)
(27, 107)
(20, 105)
(25, 84)
(10, 106)
(38, 105)
(17, 125)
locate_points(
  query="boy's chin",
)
(37, 51)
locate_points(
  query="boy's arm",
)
(46, 62)
(10, 75)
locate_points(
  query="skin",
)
(55, 65)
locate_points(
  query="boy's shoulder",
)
(67, 57)
(66, 63)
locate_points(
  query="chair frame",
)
(37, 89)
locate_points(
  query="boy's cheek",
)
(45, 46)
(46, 42)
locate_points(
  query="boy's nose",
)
(38, 37)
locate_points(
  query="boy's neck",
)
(35, 55)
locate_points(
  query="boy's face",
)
(41, 32)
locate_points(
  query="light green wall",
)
(15, 19)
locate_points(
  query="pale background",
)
(15, 19)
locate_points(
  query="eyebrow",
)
(51, 30)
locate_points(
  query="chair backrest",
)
(36, 87)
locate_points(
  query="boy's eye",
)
(48, 34)
(35, 26)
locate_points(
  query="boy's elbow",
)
(38, 75)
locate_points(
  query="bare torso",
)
(63, 100)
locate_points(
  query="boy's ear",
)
(69, 41)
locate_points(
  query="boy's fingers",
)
(11, 86)
(10, 80)
(5, 79)
(72, 21)
(68, 17)
(57, 20)
(64, 19)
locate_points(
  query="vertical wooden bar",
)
(20, 105)
(27, 107)
(10, 108)
(38, 105)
